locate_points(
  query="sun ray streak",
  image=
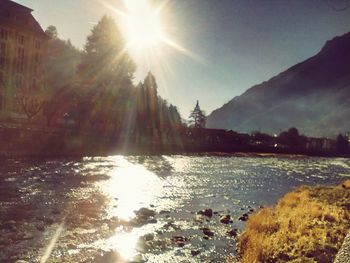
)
(150, 38)
(52, 243)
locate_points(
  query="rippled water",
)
(84, 210)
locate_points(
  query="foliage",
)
(342, 144)
(197, 117)
(51, 31)
(292, 138)
(105, 61)
(30, 104)
(94, 89)
(61, 65)
(262, 137)
(154, 117)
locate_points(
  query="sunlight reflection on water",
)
(130, 187)
(125, 243)
(176, 188)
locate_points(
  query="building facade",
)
(23, 47)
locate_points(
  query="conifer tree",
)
(197, 117)
(106, 61)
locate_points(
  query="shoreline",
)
(63, 155)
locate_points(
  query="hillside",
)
(312, 96)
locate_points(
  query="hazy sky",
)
(237, 43)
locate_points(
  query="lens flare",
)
(143, 27)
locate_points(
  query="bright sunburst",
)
(149, 38)
(143, 26)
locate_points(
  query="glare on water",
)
(130, 187)
(96, 199)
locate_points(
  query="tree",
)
(342, 144)
(197, 117)
(105, 79)
(151, 101)
(292, 138)
(262, 137)
(30, 104)
(61, 63)
(51, 31)
(105, 61)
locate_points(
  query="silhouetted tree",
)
(105, 79)
(292, 138)
(342, 144)
(105, 61)
(261, 137)
(61, 65)
(151, 102)
(100, 97)
(51, 31)
(197, 117)
(29, 102)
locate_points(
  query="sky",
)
(232, 44)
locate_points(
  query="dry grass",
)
(307, 225)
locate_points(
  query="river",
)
(85, 210)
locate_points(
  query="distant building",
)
(23, 46)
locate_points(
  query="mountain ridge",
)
(305, 95)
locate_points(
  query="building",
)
(23, 46)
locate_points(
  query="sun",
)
(150, 33)
(143, 26)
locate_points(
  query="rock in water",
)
(206, 212)
(244, 217)
(195, 252)
(232, 232)
(207, 232)
(225, 219)
(145, 212)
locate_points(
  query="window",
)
(20, 52)
(20, 60)
(2, 55)
(19, 82)
(4, 34)
(37, 44)
(34, 85)
(2, 62)
(20, 39)
(2, 49)
(36, 58)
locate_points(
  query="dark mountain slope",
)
(312, 96)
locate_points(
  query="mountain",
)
(313, 96)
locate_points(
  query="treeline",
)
(92, 90)
(292, 140)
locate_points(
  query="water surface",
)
(83, 210)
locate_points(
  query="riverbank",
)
(307, 225)
(37, 141)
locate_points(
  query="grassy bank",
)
(307, 225)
